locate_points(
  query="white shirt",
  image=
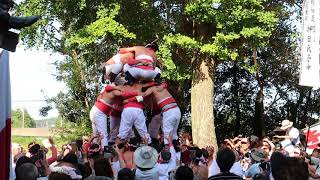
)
(294, 134)
(236, 169)
(165, 168)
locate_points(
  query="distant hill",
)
(44, 123)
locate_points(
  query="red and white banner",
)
(313, 137)
(5, 115)
(310, 49)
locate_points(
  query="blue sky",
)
(32, 79)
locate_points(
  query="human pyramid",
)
(134, 83)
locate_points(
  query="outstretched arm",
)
(112, 88)
(127, 50)
(148, 92)
(149, 84)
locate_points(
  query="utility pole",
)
(22, 117)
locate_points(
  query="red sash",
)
(167, 101)
(106, 109)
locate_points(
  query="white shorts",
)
(99, 124)
(171, 120)
(133, 116)
(141, 74)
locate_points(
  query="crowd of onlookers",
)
(238, 158)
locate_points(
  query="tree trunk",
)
(235, 92)
(259, 119)
(203, 129)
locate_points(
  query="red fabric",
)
(129, 94)
(313, 138)
(167, 101)
(132, 61)
(152, 83)
(169, 108)
(145, 67)
(133, 99)
(5, 146)
(109, 88)
(103, 107)
(134, 104)
(85, 147)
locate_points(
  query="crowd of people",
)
(135, 150)
(238, 158)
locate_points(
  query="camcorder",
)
(36, 153)
(9, 40)
(108, 152)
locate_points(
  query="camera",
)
(36, 153)
(108, 151)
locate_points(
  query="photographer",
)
(38, 157)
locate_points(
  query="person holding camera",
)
(38, 157)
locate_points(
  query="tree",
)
(19, 116)
(91, 32)
(195, 36)
(212, 33)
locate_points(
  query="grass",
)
(24, 141)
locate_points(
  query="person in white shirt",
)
(291, 139)
(167, 160)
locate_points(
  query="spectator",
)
(292, 139)
(284, 168)
(236, 168)
(125, 174)
(167, 161)
(315, 157)
(199, 171)
(58, 176)
(102, 167)
(257, 157)
(225, 160)
(210, 150)
(268, 146)
(184, 173)
(85, 170)
(27, 171)
(145, 159)
(49, 144)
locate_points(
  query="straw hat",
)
(258, 155)
(285, 124)
(145, 157)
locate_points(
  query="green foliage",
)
(89, 32)
(105, 25)
(17, 118)
(66, 130)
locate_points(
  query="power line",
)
(33, 100)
